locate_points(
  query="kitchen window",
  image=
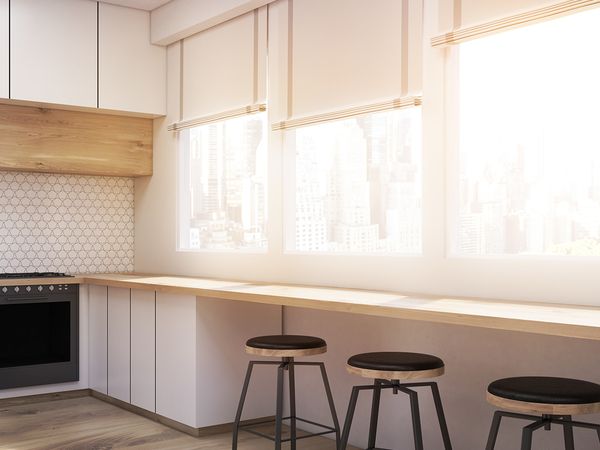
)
(223, 185)
(527, 170)
(354, 185)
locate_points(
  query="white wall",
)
(473, 357)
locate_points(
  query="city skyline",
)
(529, 146)
(358, 184)
(225, 185)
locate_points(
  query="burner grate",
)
(33, 275)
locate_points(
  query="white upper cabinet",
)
(54, 51)
(132, 72)
(4, 48)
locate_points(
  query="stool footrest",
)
(248, 428)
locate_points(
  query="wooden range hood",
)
(34, 139)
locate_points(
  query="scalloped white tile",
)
(65, 223)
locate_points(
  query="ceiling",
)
(147, 5)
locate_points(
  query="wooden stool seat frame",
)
(286, 363)
(396, 386)
(287, 353)
(548, 414)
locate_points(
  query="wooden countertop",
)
(542, 318)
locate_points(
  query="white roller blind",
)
(224, 67)
(346, 53)
(474, 12)
(477, 18)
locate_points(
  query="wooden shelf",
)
(59, 141)
(541, 318)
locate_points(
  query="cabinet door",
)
(176, 358)
(97, 322)
(119, 310)
(54, 51)
(143, 356)
(132, 71)
(4, 21)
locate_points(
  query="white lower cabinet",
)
(119, 345)
(143, 351)
(178, 355)
(97, 344)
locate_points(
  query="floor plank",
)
(87, 423)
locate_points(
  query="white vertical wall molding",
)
(179, 19)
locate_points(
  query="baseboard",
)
(65, 395)
(39, 398)
(196, 432)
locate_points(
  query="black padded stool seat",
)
(387, 369)
(286, 345)
(395, 365)
(546, 390)
(543, 401)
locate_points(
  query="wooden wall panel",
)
(51, 140)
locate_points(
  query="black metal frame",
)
(545, 421)
(396, 386)
(288, 364)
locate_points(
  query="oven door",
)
(39, 339)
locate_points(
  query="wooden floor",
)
(91, 424)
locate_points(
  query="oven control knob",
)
(16, 288)
(28, 288)
(40, 288)
(4, 289)
(51, 288)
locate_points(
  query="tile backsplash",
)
(65, 223)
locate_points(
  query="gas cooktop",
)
(34, 275)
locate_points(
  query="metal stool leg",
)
(437, 400)
(238, 415)
(374, 414)
(568, 433)
(334, 418)
(491, 443)
(349, 416)
(527, 437)
(416, 419)
(292, 405)
(279, 407)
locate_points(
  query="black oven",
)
(39, 334)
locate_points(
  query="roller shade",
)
(476, 18)
(224, 68)
(346, 53)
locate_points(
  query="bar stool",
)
(387, 369)
(286, 347)
(552, 400)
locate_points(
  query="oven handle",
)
(27, 299)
